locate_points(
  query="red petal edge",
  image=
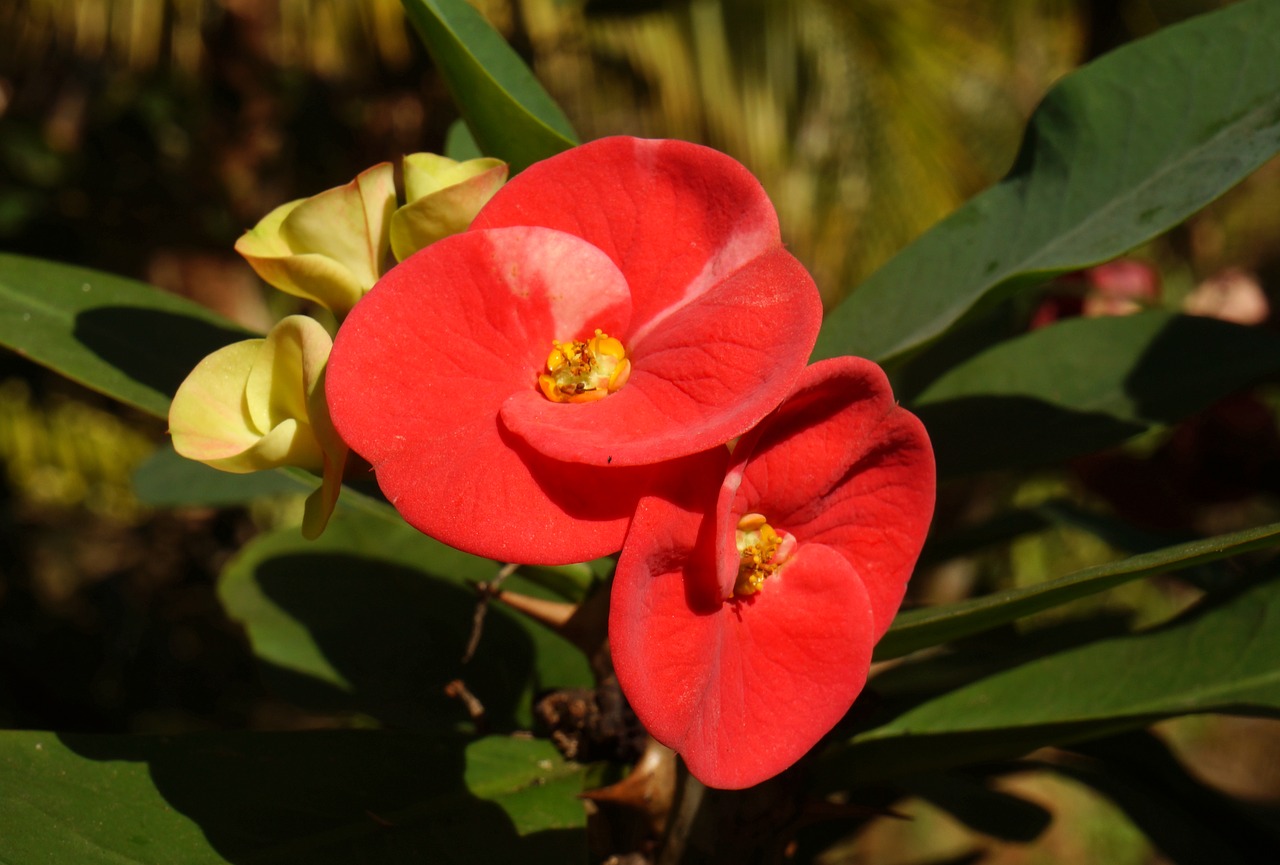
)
(676, 218)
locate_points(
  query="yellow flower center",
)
(580, 371)
(762, 550)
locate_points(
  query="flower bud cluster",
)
(260, 404)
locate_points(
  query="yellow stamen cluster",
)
(585, 371)
(758, 544)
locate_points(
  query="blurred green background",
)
(142, 137)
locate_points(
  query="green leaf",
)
(374, 617)
(117, 336)
(1085, 384)
(918, 629)
(165, 480)
(459, 145)
(506, 109)
(1219, 658)
(529, 780)
(1119, 151)
(311, 798)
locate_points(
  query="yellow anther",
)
(585, 371)
(761, 550)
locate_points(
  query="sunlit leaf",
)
(509, 114)
(1119, 151)
(117, 336)
(1223, 657)
(918, 629)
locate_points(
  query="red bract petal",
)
(842, 465)
(710, 370)
(675, 217)
(420, 370)
(740, 689)
(723, 319)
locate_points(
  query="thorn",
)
(650, 788)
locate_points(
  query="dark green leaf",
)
(1119, 151)
(374, 617)
(1084, 384)
(918, 629)
(122, 338)
(505, 107)
(315, 798)
(1223, 657)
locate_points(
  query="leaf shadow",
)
(1188, 820)
(1173, 378)
(328, 798)
(392, 639)
(983, 433)
(153, 347)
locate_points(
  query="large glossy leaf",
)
(122, 338)
(1219, 658)
(314, 798)
(508, 112)
(1117, 152)
(918, 629)
(1084, 384)
(374, 617)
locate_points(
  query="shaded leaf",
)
(1084, 384)
(506, 109)
(1119, 151)
(319, 798)
(918, 629)
(117, 336)
(374, 617)
(1191, 823)
(982, 808)
(1223, 657)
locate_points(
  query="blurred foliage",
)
(64, 453)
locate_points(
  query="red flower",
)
(519, 386)
(742, 624)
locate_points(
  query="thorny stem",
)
(690, 794)
(487, 590)
(732, 827)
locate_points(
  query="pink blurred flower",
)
(1231, 295)
(1120, 287)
